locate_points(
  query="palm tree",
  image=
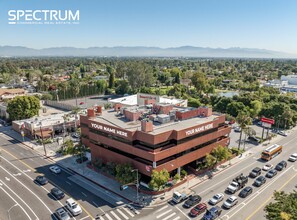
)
(250, 132)
(75, 111)
(63, 86)
(243, 119)
(75, 84)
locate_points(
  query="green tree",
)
(220, 153)
(284, 207)
(159, 179)
(199, 81)
(124, 174)
(23, 107)
(75, 83)
(111, 80)
(210, 160)
(101, 85)
(234, 108)
(47, 96)
(243, 119)
(122, 87)
(256, 107)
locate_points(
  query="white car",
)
(55, 169)
(216, 199)
(293, 157)
(73, 207)
(267, 167)
(237, 129)
(283, 133)
(230, 202)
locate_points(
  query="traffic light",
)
(123, 187)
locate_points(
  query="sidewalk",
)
(129, 195)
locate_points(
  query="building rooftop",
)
(112, 118)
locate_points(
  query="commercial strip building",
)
(152, 136)
(46, 126)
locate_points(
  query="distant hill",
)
(185, 51)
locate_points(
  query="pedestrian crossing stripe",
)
(117, 217)
(169, 216)
(109, 218)
(127, 212)
(119, 211)
(164, 213)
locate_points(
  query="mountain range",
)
(140, 51)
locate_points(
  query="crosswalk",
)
(167, 213)
(122, 213)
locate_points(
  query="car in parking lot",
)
(73, 207)
(283, 133)
(267, 167)
(58, 194)
(260, 181)
(55, 169)
(281, 165)
(42, 180)
(245, 192)
(271, 173)
(254, 139)
(62, 214)
(230, 202)
(197, 210)
(237, 129)
(216, 199)
(213, 213)
(255, 172)
(193, 200)
(293, 157)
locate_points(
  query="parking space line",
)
(84, 194)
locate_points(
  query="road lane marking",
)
(264, 203)
(107, 215)
(169, 216)
(218, 183)
(183, 212)
(117, 217)
(253, 196)
(119, 211)
(84, 217)
(164, 207)
(178, 217)
(84, 194)
(19, 199)
(95, 204)
(7, 179)
(164, 213)
(27, 189)
(130, 213)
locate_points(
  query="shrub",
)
(176, 177)
(183, 173)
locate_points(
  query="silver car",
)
(62, 214)
(216, 199)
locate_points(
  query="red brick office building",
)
(154, 136)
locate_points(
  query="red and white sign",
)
(267, 120)
(266, 125)
(148, 168)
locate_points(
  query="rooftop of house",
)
(11, 91)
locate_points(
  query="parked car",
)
(73, 207)
(283, 133)
(271, 173)
(62, 214)
(260, 181)
(281, 165)
(55, 169)
(293, 157)
(230, 202)
(41, 180)
(237, 129)
(267, 167)
(254, 139)
(75, 135)
(193, 200)
(197, 210)
(255, 172)
(216, 199)
(212, 213)
(58, 194)
(245, 192)
(81, 103)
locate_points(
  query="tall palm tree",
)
(243, 119)
(75, 84)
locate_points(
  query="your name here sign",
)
(199, 129)
(109, 130)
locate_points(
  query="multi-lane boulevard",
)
(22, 198)
(251, 207)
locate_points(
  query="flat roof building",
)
(153, 136)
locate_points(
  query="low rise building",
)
(152, 135)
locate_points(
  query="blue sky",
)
(267, 24)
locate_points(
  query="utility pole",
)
(137, 185)
(43, 142)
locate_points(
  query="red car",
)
(231, 122)
(81, 103)
(197, 210)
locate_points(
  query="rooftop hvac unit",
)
(163, 119)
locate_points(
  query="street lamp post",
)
(8, 211)
(42, 141)
(137, 185)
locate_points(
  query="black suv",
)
(281, 165)
(260, 181)
(41, 180)
(271, 173)
(57, 193)
(255, 172)
(193, 200)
